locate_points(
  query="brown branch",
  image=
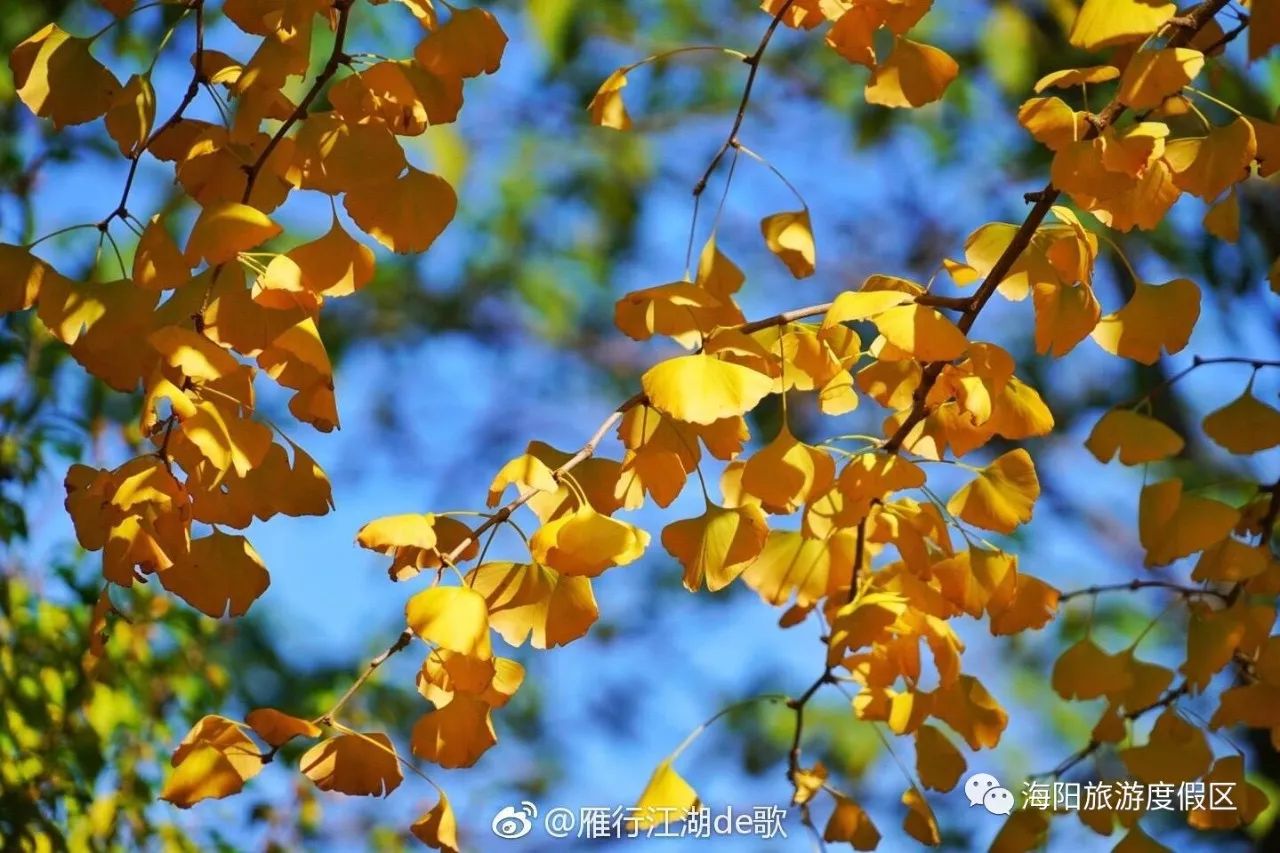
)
(401, 643)
(337, 58)
(1196, 19)
(188, 97)
(753, 61)
(1170, 696)
(1131, 586)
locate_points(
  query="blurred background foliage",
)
(557, 220)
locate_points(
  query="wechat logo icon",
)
(983, 789)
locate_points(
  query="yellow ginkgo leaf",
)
(921, 332)
(1208, 165)
(919, 822)
(786, 474)
(158, 263)
(1245, 425)
(197, 357)
(1230, 561)
(225, 229)
(469, 44)
(21, 275)
(335, 264)
(527, 601)
(222, 575)
(131, 115)
(457, 734)
(912, 75)
(584, 543)
(702, 389)
(607, 108)
(1002, 496)
(406, 213)
(1065, 315)
(1033, 605)
(849, 822)
(452, 617)
(853, 305)
(1085, 671)
(1051, 122)
(1172, 524)
(278, 728)
(1213, 636)
(716, 546)
(1176, 751)
(418, 541)
(362, 765)
(682, 310)
(57, 77)
(1137, 437)
(214, 760)
(789, 235)
(1223, 219)
(1102, 23)
(865, 621)
(1071, 77)
(1154, 74)
(1157, 317)
(938, 762)
(853, 33)
(666, 799)
(438, 828)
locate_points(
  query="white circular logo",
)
(512, 822)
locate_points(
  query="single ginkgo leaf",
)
(1071, 77)
(702, 389)
(1154, 74)
(469, 44)
(1157, 317)
(1065, 315)
(584, 543)
(607, 108)
(1230, 561)
(1207, 166)
(1172, 524)
(919, 822)
(451, 617)
(1223, 219)
(222, 575)
(158, 263)
(278, 728)
(335, 264)
(971, 711)
(938, 762)
(527, 601)
(197, 357)
(912, 75)
(455, 735)
(406, 213)
(213, 761)
(1137, 437)
(1002, 496)
(362, 765)
(57, 77)
(418, 541)
(853, 305)
(853, 33)
(667, 798)
(922, 332)
(785, 474)
(225, 229)
(1176, 751)
(132, 114)
(1245, 425)
(1102, 23)
(438, 828)
(716, 546)
(1228, 772)
(850, 822)
(1051, 122)
(1085, 671)
(1033, 605)
(789, 235)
